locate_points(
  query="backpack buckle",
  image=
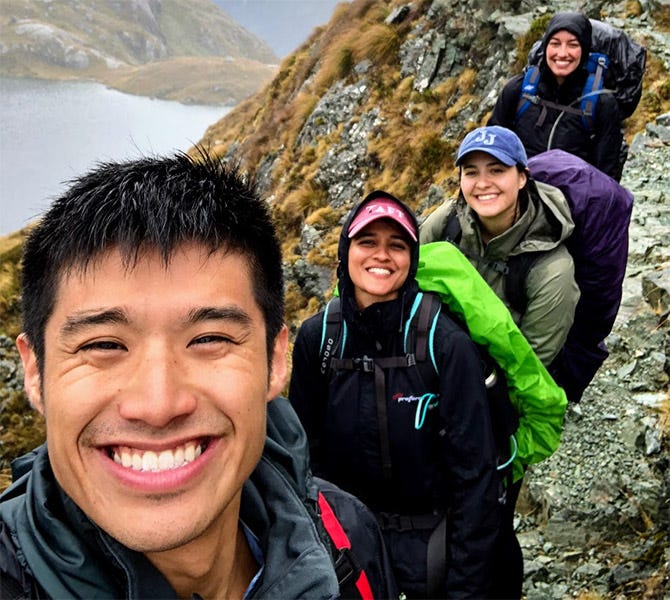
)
(346, 566)
(394, 521)
(499, 266)
(532, 98)
(365, 364)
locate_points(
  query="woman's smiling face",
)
(490, 187)
(379, 260)
(563, 54)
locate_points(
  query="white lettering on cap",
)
(389, 210)
(485, 138)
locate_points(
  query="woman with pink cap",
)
(418, 450)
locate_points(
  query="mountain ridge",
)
(121, 44)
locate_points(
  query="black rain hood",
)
(345, 285)
(577, 24)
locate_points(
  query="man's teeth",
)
(148, 460)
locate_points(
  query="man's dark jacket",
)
(49, 548)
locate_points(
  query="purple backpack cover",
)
(601, 210)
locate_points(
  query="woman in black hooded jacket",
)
(565, 49)
(437, 435)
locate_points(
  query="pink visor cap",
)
(382, 208)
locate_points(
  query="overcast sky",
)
(282, 24)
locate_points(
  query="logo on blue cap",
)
(500, 142)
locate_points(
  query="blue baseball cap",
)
(497, 141)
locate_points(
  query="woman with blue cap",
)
(512, 229)
(501, 217)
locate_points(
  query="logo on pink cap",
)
(382, 208)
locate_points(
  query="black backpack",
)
(351, 575)
(418, 353)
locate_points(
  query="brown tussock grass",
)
(379, 43)
(325, 255)
(323, 218)
(655, 97)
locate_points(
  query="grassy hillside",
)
(193, 80)
(10, 309)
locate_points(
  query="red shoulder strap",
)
(336, 532)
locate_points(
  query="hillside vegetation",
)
(187, 51)
(380, 98)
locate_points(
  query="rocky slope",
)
(189, 51)
(594, 519)
(380, 99)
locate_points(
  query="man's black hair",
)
(151, 203)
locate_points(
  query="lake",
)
(51, 132)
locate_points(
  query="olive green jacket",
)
(550, 285)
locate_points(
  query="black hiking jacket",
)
(50, 549)
(542, 128)
(446, 465)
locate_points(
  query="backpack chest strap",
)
(416, 347)
(367, 364)
(562, 107)
(377, 366)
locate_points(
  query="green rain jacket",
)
(540, 402)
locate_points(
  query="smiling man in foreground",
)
(153, 344)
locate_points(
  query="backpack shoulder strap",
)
(515, 268)
(348, 569)
(528, 94)
(453, 233)
(518, 267)
(452, 228)
(333, 334)
(420, 329)
(596, 66)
